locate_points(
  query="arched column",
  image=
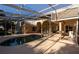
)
(38, 27)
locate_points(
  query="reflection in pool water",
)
(20, 40)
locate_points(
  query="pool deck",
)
(46, 45)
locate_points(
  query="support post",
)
(50, 27)
(24, 28)
(18, 27)
(5, 26)
(77, 28)
(77, 22)
(60, 29)
(11, 28)
(41, 29)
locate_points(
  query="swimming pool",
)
(20, 40)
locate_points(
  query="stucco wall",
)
(26, 28)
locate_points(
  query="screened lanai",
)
(35, 18)
(39, 26)
(29, 12)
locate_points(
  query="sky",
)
(35, 7)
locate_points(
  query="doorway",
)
(68, 28)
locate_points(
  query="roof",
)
(29, 9)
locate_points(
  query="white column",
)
(77, 22)
(60, 28)
(41, 28)
(50, 27)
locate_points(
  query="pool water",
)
(20, 40)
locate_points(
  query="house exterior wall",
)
(71, 23)
(68, 22)
(27, 28)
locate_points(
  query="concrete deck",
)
(51, 45)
